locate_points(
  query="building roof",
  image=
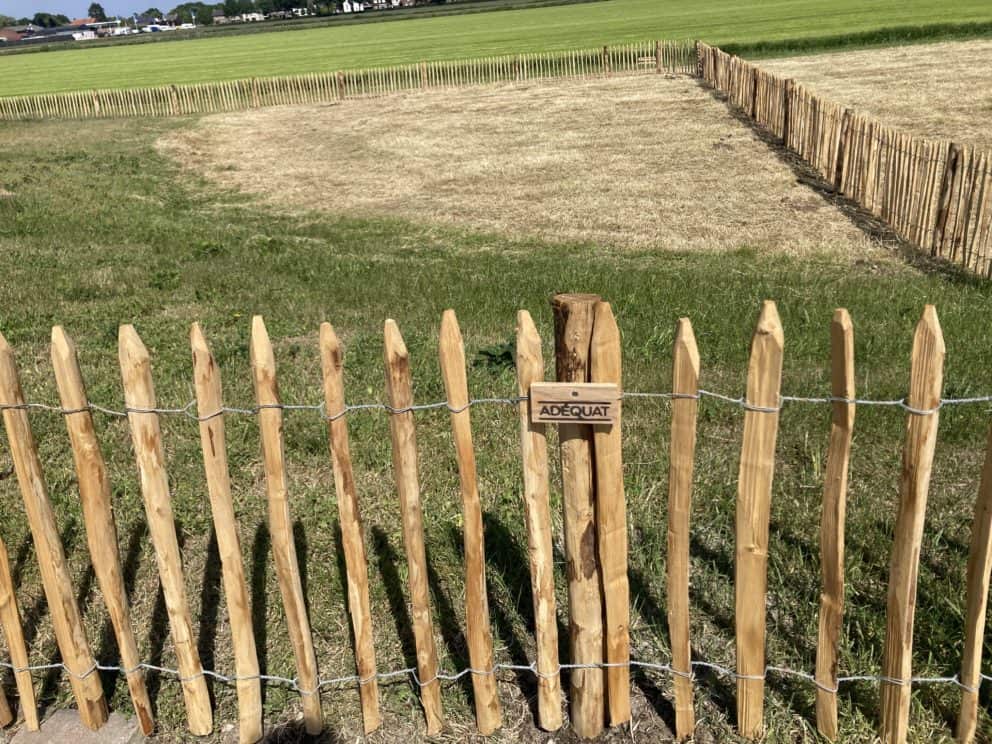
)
(82, 21)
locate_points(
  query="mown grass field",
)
(97, 228)
(509, 32)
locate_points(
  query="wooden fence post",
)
(10, 619)
(946, 192)
(98, 516)
(263, 366)
(70, 633)
(979, 568)
(685, 406)
(925, 382)
(574, 316)
(788, 90)
(480, 640)
(757, 466)
(537, 515)
(146, 436)
(352, 532)
(606, 60)
(657, 57)
(611, 518)
(213, 443)
(399, 391)
(832, 521)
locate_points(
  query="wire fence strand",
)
(354, 680)
(189, 410)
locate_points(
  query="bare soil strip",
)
(640, 162)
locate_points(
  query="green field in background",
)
(473, 35)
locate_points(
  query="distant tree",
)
(202, 12)
(153, 13)
(45, 20)
(6, 20)
(96, 12)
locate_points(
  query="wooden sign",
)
(574, 403)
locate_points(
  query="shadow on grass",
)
(209, 608)
(259, 596)
(388, 562)
(157, 634)
(295, 733)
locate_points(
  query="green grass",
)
(539, 29)
(99, 230)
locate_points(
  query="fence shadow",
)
(295, 733)
(260, 548)
(871, 225)
(451, 630)
(206, 643)
(641, 596)
(388, 561)
(158, 632)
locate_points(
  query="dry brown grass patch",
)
(638, 161)
(940, 91)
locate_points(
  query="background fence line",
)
(678, 57)
(936, 195)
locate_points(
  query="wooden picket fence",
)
(937, 195)
(587, 350)
(677, 57)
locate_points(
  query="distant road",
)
(479, 34)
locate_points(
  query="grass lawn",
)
(98, 229)
(531, 30)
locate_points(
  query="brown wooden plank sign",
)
(574, 403)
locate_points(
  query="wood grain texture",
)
(263, 366)
(213, 443)
(832, 520)
(685, 407)
(925, 384)
(6, 714)
(479, 633)
(979, 568)
(13, 630)
(352, 531)
(537, 516)
(757, 466)
(146, 436)
(574, 317)
(55, 575)
(98, 516)
(605, 366)
(399, 393)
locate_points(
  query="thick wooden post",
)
(263, 366)
(685, 406)
(399, 391)
(213, 443)
(754, 493)
(611, 519)
(55, 576)
(832, 521)
(146, 436)
(789, 89)
(979, 568)
(480, 639)
(98, 516)
(352, 532)
(574, 317)
(537, 516)
(10, 619)
(925, 382)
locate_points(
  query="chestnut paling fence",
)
(935, 194)
(330, 87)
(587, 349)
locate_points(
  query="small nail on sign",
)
(574, 403)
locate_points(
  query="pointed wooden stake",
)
(979, 568)
(98, 516)
(352, 532)
(146, 436)
(925, 383)
(685, 386)
(832, 521)
(611, 518)
(55, 575)
(263, 367)
(399, 391)
(480, 639)
(10, 619)
(764, 380)
(574, 316)
(537, 515)
(213, 443)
